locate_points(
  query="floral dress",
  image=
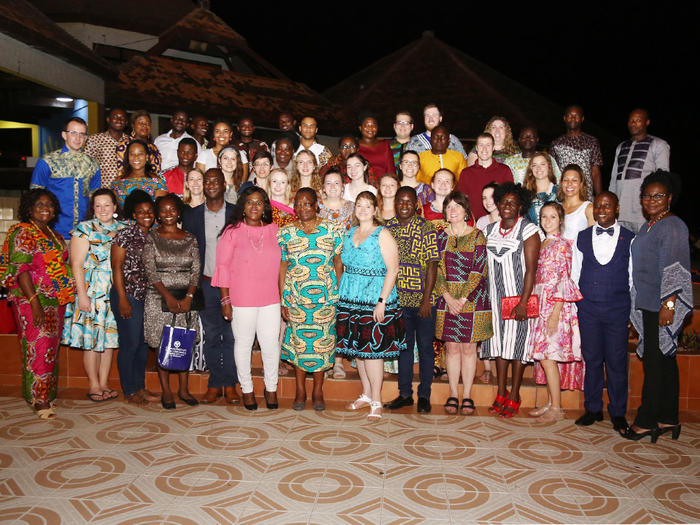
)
(97, 329)
(553, 284)
(342, 217)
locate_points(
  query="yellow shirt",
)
(430, 163)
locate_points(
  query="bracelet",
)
(226, 300)
(189, 295)
(31, 298)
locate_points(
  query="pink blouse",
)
(248, 264)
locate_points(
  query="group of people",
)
(506, 252)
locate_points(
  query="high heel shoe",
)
(270, 405)
(189, 400)
(636, 436)
(246, 398)
(510, 408)
(167, 405)
(537, 412)
(675, 431)
(500, 400)
(375, 411)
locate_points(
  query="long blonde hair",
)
(295, 180)
(288, 193)
(509, 146)
(529, 183)
(186, 195)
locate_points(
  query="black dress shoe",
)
(636, 436)
(423, 405)
(399, 402)
(589, 418)
(619, 423)
(189, 400)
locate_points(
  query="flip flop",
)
(109, 394)
(96, 398)
(46, 413)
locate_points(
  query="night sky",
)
(607, 57)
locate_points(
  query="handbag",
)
(176, 345)
(7, 318)
(508, 303)
(179, 294)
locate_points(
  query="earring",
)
(114, 215)
(243, 214)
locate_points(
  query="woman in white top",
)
(489, 206)
(572, 193)
(209, 158)
(358, 173)
(230, 164)
(260, 174)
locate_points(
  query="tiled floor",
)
(112, 463)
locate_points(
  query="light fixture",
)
(64, 99)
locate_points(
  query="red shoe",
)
(513, 406)
(495, 408)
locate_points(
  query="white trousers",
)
(265, 321)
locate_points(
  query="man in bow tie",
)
(602, 268)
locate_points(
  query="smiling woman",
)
(138, 173)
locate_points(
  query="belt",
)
(206, 277)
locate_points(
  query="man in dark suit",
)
(206, 222)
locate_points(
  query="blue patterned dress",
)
(310, 293)
(358, 335)
(95, 330)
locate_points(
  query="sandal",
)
(375, 412)
(46, 413)
(96, 398)
(510, 408)
(485, 377)
(540, 411)
(498, 404)
(552, 415)
(360, 402)
(339, 371)
(468, 407)
(109, 394)
(451, 405)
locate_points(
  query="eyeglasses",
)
(658, 197)
(403, 122)
(79, 134)
(348, 146)
(409, 162)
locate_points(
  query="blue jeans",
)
(218, 339)
(422, 331)
(133, 350)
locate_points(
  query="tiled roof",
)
(161, 83)
(466, 90)
(24, 22)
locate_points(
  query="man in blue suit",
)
(604, 280)
(206, 222)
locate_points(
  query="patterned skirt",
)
(309, 339)
(359, 336)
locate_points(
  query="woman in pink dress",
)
(556, 341)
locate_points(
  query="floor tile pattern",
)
(113, 463)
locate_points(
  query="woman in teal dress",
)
(369, 325)
(541, 180)
(89, 321)
(309, 276)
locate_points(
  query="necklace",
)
(505, 234)
(256, 245)
(452, 231)
(654, 221)
(53, 235)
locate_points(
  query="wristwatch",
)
(380, 300)
(670, 305)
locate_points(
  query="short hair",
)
(116, 108)
(90, 213)
(529, 181)
(175, 199)
(461, 199)
(74, 119)
(407, 189)
(309, 192)
(443, 127)
(179, 110)
(486, 135)
(188, 141)
(135, 198)
(365, 114)
(28, 200)
(405, 113)
(140, 113)
(290, 136)
(610, 194)
(560, 212)
(583, 189)
(445, 170)
(509, 188)
(409, 152)
(432, 105)
(572, 106)
(347, 136)
(669, 180)
(644, 110)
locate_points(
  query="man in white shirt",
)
(308, 129)
(167, 143)
(603, 270)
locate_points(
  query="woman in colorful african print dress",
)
(89, 321)
(309, 275)
(33, 267)
(138, 173)
(282, 212)
(463, 308)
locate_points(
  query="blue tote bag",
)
(176, 345)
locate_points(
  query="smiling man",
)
(69, 174)
(432, 118)
(418, 260)
(635, 159)
(308, 130)
(103, 146)
(439, 156)
(167, 143)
